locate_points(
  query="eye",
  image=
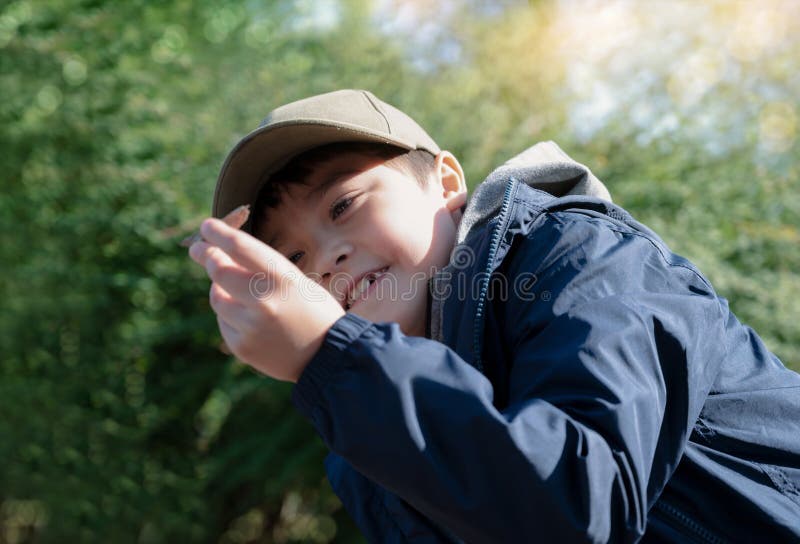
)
(339, 207)
(295, 257)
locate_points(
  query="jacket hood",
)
(543, 166)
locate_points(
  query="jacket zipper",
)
(688, 523)
(477, 342)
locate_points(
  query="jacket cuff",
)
(329, 360)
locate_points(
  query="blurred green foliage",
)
(120, 421)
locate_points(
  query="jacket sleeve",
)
(382, 516)
(602, 394)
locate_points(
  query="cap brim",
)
(265, 150)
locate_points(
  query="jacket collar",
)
(543, 166)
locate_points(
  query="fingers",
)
(200, 251)
(243, 248)
(228, 308)
(230, 335)
(235, 279)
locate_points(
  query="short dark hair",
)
(417, 163)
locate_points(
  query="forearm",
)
(413, 417)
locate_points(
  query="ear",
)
(450, 180)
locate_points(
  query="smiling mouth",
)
(361, 287)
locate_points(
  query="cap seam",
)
(378, 109)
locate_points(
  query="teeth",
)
(362, 286)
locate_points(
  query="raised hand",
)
(271, 316)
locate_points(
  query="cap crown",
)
(340, 116)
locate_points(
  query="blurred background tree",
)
(120, 420)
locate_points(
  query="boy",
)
(562, 377)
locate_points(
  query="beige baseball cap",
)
(340, 116)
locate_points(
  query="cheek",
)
(414, 235)
(402, 228)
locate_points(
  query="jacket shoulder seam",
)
(611, 225)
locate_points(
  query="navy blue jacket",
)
(587, 385)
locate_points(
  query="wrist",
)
(329, 359)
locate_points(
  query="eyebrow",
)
(316, 194)
(320, 190)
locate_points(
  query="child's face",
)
(372, 236)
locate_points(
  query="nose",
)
(332, 259)
(335, 268)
